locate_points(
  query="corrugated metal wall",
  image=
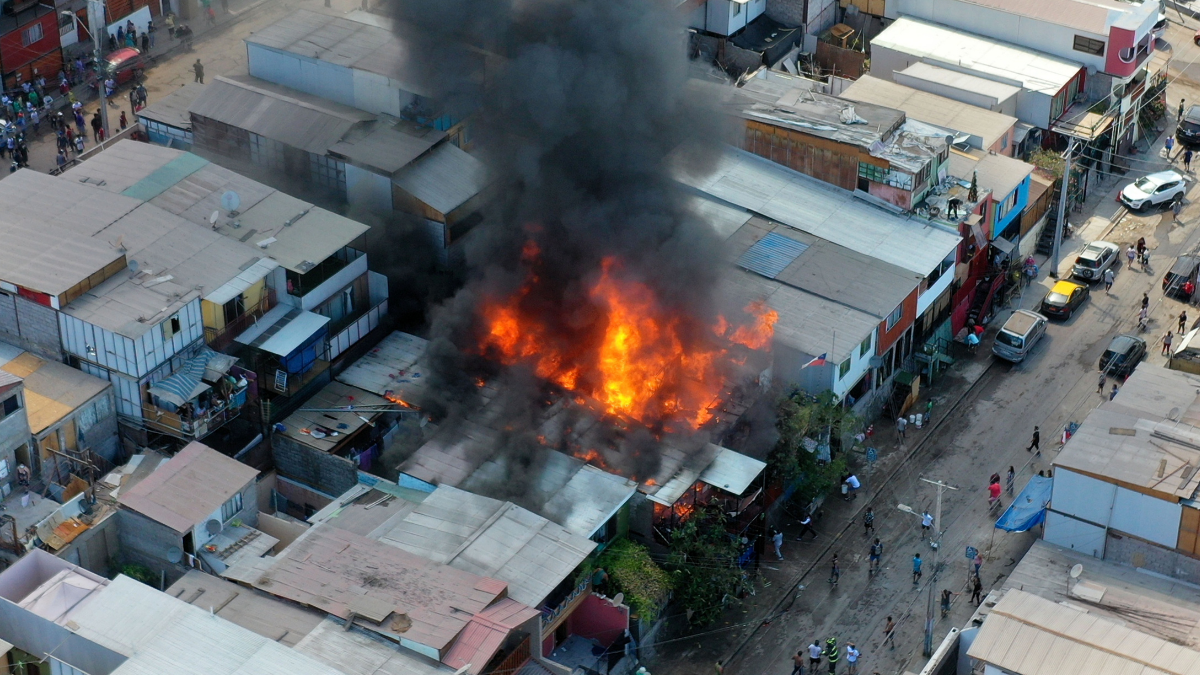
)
(319, 78)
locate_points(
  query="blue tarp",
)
(1028, 510)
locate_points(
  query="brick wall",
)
(30, 326)
(1134, 552)
(787, 12)
(318, 470)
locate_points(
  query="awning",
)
(1020, 131)
(187, 383)
(217, 366)
(283, 329)
(977, 229)
(1028, 510)
(1004, 246)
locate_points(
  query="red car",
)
(124, 64)
(1196, 37)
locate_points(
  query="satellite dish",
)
(174, 554)
(1076, 571)
(213, 218)
(133, 266)
(213, 526)
(230, 201)
(618, 599)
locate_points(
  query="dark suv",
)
(1188, 132)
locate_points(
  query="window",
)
(1089, 46)
(266, 152)
(328, 172)
(348, 301)
(843, 368)
(895, 317)
(864, 347)
(1004, 142)
(231, 508)
(234, 308)
(737, 7)
(31, 35)
(171, 327)
(871, 172)
(11, 405)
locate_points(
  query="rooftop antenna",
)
(212, 220)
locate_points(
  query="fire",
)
(635, 357)
(391, 396)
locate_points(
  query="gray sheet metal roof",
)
(772, 254)
(342, 42)
(359, 652)
(172, 109)
(394, 365)
(732, 471)
(964, 81)
(808, 205)
(491, 538)
(444, 179)
(919, 105)
(776, 101)
(386, 145)
(1001, 174)
(302, 121)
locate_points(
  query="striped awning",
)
(187, 383)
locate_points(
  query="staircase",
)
(982, 292)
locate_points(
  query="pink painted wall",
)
(598, 620)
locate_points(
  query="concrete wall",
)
(322, 471)
(96, 548)
(1144, 555)
(248, 515)
(30, 326)
(146, 542)
(14, 433)
(31, 633)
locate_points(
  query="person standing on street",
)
(976, 591)
(1113, 394)
(1167, 339)
(777, 540)
(798, 663)
(916, 569)
(1109, 278)
(869, 522)
(1012, 477)
(926, 524)
(1183, 322)
(901, 425)
(1169, 146)
(806, 527)
(889, 633)
(1037, 438)
(833, 654)
(1176, 209)
(1187, 160)
(97, 125)
(1103, 379)
(835, 570)
(814, 656)
(876, 556)
(852, 654)
(1180, 111)
(1145, 300)
(977, 561)
(198, 68)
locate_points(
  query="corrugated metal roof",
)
(919, 105)
(290, 117)
(1036, 71)
(964, 81)
(386, 145)
(343, 42)
(52, 390)
(732, 471)
(172, 109)
(360, 652)
(491, 538)
(184, 491)
(1001, 174)
(333, 395)
(772, 254)
(830, 213)
(282, 329)
(444, 179)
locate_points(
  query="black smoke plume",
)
(574, 106)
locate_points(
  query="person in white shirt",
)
(926, 524)
(852, 659)
(814, 656)
(777, 540)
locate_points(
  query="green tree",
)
(801, 417)
(703, 564)
(634, 573)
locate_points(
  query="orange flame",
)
(391, 396)
(638, 361)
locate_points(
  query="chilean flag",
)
(819, 361)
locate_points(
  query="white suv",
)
(1154, 190)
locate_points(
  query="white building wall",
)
(931, 294)
(1147, 517)
(335, 283)
(318, 78)
(1065, 531)
(134, 358)
(1082, 497)
(379, 95)
(859, 364)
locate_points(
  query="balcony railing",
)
(189, 427)
(219, 338)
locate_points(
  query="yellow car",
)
(1064, 298)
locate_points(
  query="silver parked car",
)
(1157, 189)
(1094, 259)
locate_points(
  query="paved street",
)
(989, 409)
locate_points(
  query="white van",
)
(1019, 335)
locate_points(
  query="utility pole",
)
(1062, 207)
(936, 544)
(99, 30)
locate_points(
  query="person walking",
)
(806, 527)
(1183, 322)
(901, 425)
(977, 561)
(1166, 342)
(1037, 438)
(1169, 146)
(889, 633)
(123, 122)
(198, 68)
(976, 591)
(1180, 118)
(946, 597)
(61, 160)
(852, 655)
(97, 125)
(1176, 209)
(1113, 394)
(832, 654)
(777, 540)
(814, 656)
(1109, 278)
(869, 522)
(1187, 160)
(1145, 300)
(798, 663)
(916, 569)
(79, 144)
(1010, 481)
(926, 524)
(1103, 379)
(876, 556)
(1130, 256)
(835, 570)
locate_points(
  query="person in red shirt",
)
(994, 493)
(1189, 288)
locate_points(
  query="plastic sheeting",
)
(1029, 508)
